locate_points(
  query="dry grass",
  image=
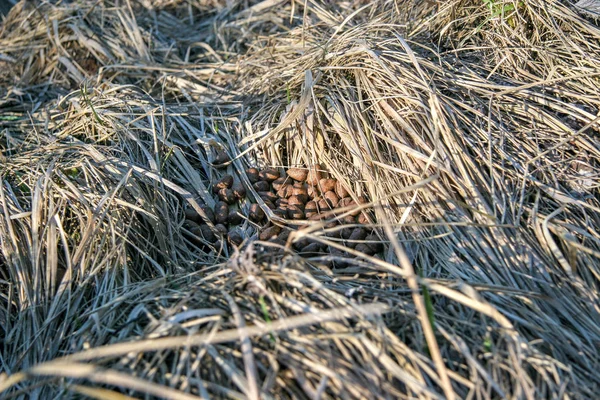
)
(472, 126)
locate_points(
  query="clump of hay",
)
(471, 126)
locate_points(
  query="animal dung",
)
(300, 194)
(252, 174)
(224, 183)
(221, 158)
(297, 174)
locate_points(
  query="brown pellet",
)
(374, 243)
(239, 191)
(284, 235)
(314, 175)
(269, 233)
(348, 220)
(192, 214)
(281, 202)
(324, 205)
(223, 183)
(365, 248)
(277, 183)
(234, 218)
(295, 211)
(332, 198)
(362, 218)
(285, 191)
(295, 200)
(281, 212)
(310, 209)
(269, 174)
(340, 190)
(311, 250)
(297, 174)
(208, 234)
(221, 158)
(268, 196)
(269, 204)
(256, 213)
(312, 192)
(327, 185)
(227, 196)
(261, 186)
(252, 174)
(210, 215)
(235, 238)
(346, 233)
(357, 234)
(221, 229)
(346, 202)
(301, 193)
(221, 212)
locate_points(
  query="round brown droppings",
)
(337, 233)
(311, 206)
(192, 214)
(297, 174)
(300, 190)
(316, 217)
(345, 233)
(256, 213)
(331, 224)
(269, 204)
(362, 219)
(340, 190)
(312, 192)
(268, 196)
(239, 191)
(364, 248)
(221, 229)
(281, 212)
(210, 215)
(301, 243)
(361, 200)
(227, 196)
(311, 209)
(332, 198)
(374, 243)
(235, 238)
(277, 183)
(234, 217)
(324, 205)
(314, 175)
(208, 234)
(284, 235)
(224, 183)
(303, 197)
(327, 185)
(269, 233)
(357, 234)
(252, 174)
(261, 186)
(295, 211)
(268, 174)
(295, 200)
(346, 202)
(285, 191)
(348, 220)
(221, 212)
(281, 202)
(311, 250)
(221, 158)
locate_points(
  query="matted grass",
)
(472, 126)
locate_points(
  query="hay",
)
(472, 127)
